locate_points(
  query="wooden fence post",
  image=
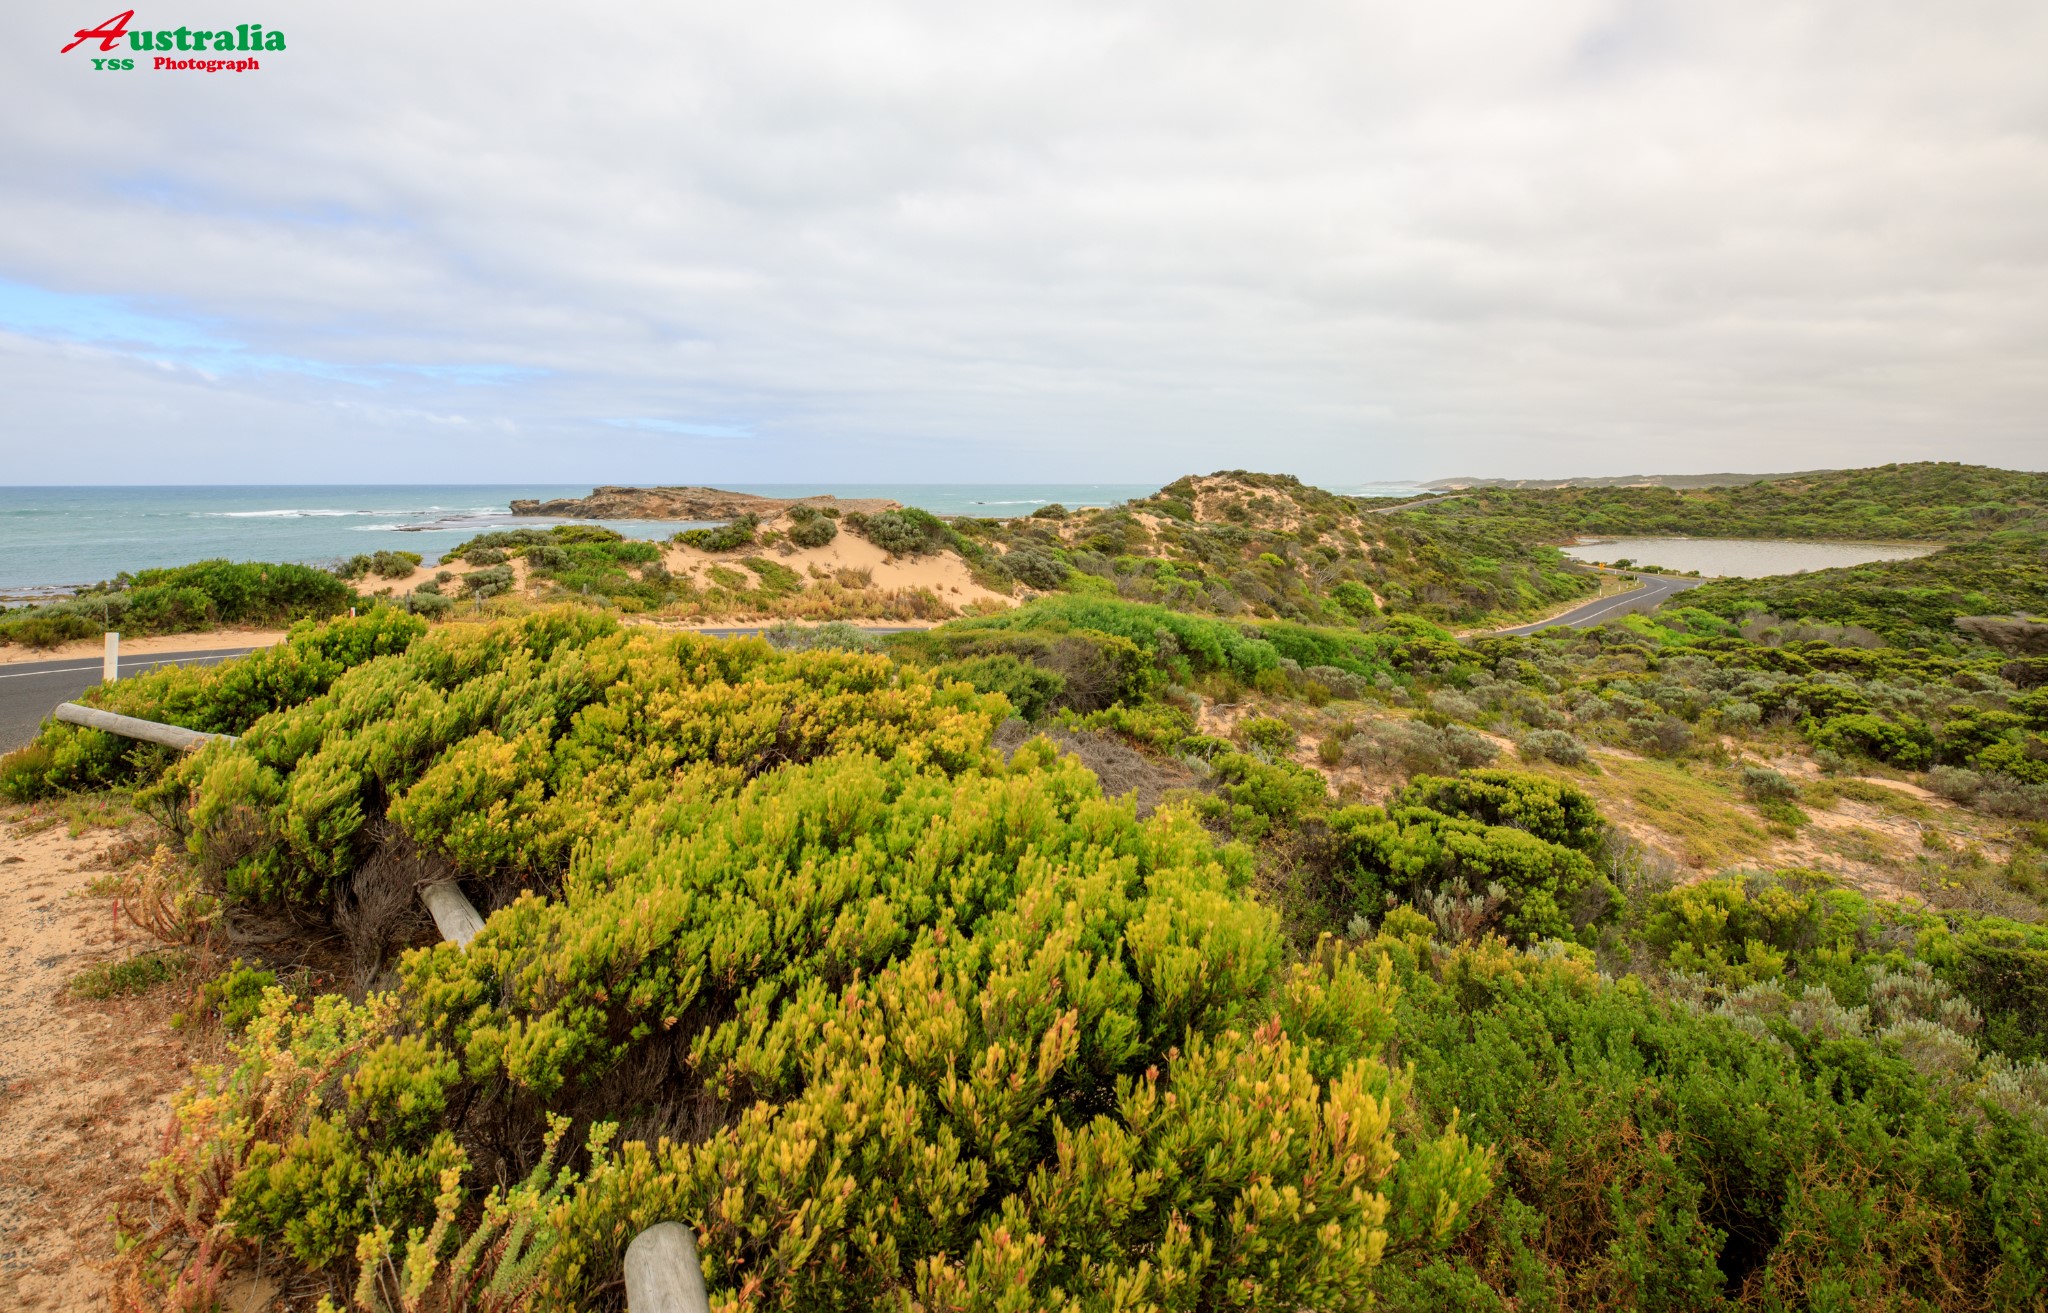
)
(662, 1272)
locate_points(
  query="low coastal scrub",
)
(884, 1014)
(180, 600)
(1938, 501)
(384, 565)
(773, 894)
(1384, 985)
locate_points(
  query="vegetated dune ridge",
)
(614, 502)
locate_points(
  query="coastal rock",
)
(619, 503)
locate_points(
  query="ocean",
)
(53, 539)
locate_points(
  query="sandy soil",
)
(212, 641)
(84, 1087)
(943, 574)
(371, 585)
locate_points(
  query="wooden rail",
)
(128, 727)
(454, 915)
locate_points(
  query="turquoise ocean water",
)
(54, 538)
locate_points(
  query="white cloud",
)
(1119, 241)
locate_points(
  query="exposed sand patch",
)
(85, 1087)
(373, 586)
(942, 574)
(213, 640)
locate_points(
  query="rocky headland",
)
(618, 503)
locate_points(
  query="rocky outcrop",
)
(617, 503)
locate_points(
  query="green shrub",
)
(905, 532)
(131, 975)
(1035, 569)
(1409, 854)
(236, 995)
(1900, 743)
(728, 537)
(1555, 744)
(488, 582)
(1274, 737)
(835, 635)
(804, 889)
(1762, 784)
(383, 564)
(812, 531)
(1031, 689)
(1551, 809)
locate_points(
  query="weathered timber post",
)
(662, 1272)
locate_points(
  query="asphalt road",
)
(1655, 590)
(31, 690)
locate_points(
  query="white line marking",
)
(133, 665)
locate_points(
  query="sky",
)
(790, 240)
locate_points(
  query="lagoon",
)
(1740, 558)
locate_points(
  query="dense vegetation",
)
(1939, 501)
(1238, 543)
(1908, 604)
(1692, 961)
(783, 947)
(182, 599)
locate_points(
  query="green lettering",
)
(223, 40)
(142, 40)
(273, 40)
(184, 37)
(199, 40)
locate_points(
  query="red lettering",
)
(110, 33)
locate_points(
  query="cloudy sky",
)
(776, 241)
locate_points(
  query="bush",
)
(1035, 569)
(427, 601)
(905, 532)
(1762, 784)
(833, 636)
(1902, 743)
(1550, 809)
(489, 582)
(729, 537)
(1414, 747)
(1553, 744)
(813, 531)
(235, 997)
(1274, 737)
(1409, 854)
(1031, 689)
(385, 565)
(185, 598)
(800, 894)
(132, 975)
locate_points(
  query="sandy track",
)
(84, 1087)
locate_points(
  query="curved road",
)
(1655, 591)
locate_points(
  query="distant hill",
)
(1624, 481)
(1928, 501)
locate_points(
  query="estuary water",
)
(57, 538)
(1740, 558)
